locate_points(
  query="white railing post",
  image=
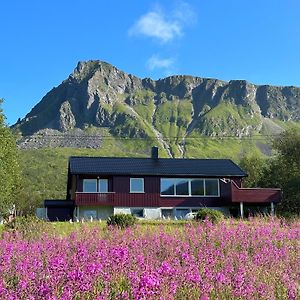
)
(272, 209)
(242, 210)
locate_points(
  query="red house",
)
(156, 187)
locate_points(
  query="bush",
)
(121, 220)
(212, 215)
(28, 227)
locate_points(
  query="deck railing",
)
(94, 198)
(255, 195)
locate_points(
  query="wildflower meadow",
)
(257, 259)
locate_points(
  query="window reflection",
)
(189, 187)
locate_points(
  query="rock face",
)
(98, 94)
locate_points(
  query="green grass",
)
(204, 147)
(227, 118)
(172, 119)
(66, 228)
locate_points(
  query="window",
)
(95, 185)
(189, 187)
(89, 185)
(137, 212)
(90, 214)
(136, 185)
(197, 187)
(167, 187)
(182, 187)
(103, 185)
(181, 213)
(211, 187)
(167, 213)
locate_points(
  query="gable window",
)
(189, 187)
(89, 185)
(136, 185)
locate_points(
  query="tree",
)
(284, 170)
(9, 167)
(254, 166)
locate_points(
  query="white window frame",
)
(137, 192)
(190, 187)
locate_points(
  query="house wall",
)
(97, 212)
(122, 197)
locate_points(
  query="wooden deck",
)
(255, 195)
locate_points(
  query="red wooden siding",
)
(119, 188)
(255, 195)
(145, 200)
(151, 198)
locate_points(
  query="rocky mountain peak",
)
(100, 95)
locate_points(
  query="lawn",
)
(257, 259)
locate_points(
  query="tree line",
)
(282, 170)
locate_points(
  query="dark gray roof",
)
(149, 166)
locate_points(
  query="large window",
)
(189, 187)
(95, 185)
(136, 185)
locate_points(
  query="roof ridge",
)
(164, 158)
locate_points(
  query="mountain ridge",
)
(97, 94)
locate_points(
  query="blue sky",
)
(42, 41)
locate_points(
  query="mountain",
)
(100, 101)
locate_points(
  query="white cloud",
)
(156, 62)
(154, 24)
(158, 25)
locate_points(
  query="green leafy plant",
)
(212, 215)
(29, 227)
(121, 220)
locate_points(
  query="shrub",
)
(212, 215)
(121, 220)
(28, 227)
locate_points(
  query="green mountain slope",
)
(167, 111)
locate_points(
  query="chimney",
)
(154, 152)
